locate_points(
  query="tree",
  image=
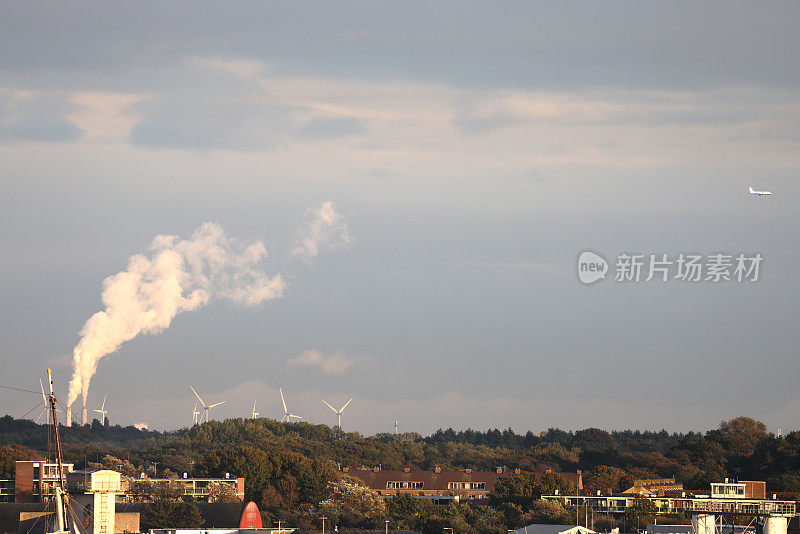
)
(166, 511)
(641, 512)
(743, 434)
(10, 455)
(546, 512)
(607, 479)
(407, 512)
(353, 504)
(220, 492)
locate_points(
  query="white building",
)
(553, 529)
(97, 492)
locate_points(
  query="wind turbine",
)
(287, 415)
(46, 406)
(206, 408)
(44, 400)
(195, 413)
(102, 411)
(338, 412)
(255, 413)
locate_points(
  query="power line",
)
(20, 389)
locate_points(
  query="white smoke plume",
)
(176, 275)
(322, 227)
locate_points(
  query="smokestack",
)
(85, 415)
(175, 276)
(69, 416)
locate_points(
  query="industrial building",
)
(438, 485)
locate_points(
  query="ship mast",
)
(61, 491)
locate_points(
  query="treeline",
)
(292, 469)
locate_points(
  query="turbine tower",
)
(287, 415)
(338, 412)
(206, 407)
(102, 411)
(255, 413)
(195, 413)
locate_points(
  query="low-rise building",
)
(6, 490)
(745, 498)
(655, 486)
(35, 481)
(552, 529)
(440, 485)
(191, 489)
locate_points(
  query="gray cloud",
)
(330, 364)
(197, 122)
(527, 44)
(326, 128)
(38, 117)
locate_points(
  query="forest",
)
(292, 470)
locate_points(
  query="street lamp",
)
(323, 524)
(387, 526)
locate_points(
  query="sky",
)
(471, 151)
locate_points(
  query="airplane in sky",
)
(754, 192)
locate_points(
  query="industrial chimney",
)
(85, 415)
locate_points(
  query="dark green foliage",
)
(288, 467)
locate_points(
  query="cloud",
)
(204, 122)
(36, 117)
(328, 128)
(323, 228)
(329, 364)
(213, 105)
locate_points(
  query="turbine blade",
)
(198, 397)
(329, 406)
(345, 405)
(44, 399)
(217, 404)
(103, 407)
(283, 400)
(296, 416)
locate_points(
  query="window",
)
(466, 485)
(403, 485)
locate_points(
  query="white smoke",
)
(176, 275)
(322, 227)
